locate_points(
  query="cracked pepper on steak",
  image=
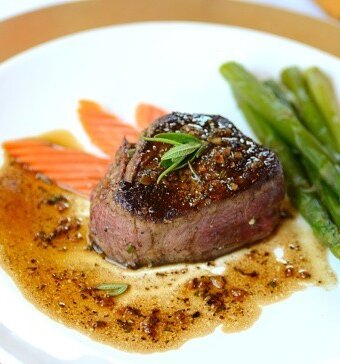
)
(234, 201)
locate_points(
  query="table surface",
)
(9, 8)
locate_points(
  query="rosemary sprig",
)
(186, 148)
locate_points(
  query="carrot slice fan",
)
(71, 169)
(106, 131)
(146, 113)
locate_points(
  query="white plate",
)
(173, 65)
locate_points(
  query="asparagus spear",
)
(326, 195)
(300, 192)
(313, 119)
(324, 95)
(280, 93)
(328, 198)
(283, 120)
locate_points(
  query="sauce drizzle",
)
(44, 248)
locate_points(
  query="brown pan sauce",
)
(44, 248)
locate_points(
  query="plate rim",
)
(23, 32)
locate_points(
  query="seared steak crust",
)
(232, 199)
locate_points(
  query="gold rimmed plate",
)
(167, 53)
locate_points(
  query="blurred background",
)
(322, 9)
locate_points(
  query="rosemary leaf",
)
(162, 140)
(181, 138)
(201, 150)
(166, 164)
(180, 151)
(118, 291)
(186, 148)
(113, 289)
(169, 169)
(189, 158)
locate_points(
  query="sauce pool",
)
(44, 248)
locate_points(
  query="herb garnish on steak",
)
(186, 148)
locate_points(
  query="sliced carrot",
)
(69, 168)
(145, 114)
(106, 131)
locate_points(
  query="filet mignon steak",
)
(231, 200)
